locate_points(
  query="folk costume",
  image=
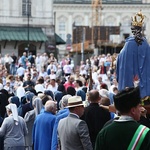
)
(125, 133)
(121, 134)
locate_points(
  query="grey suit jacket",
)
(73, 134)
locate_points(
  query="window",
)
(126, 21)
(26, 7)
(78, 21)
(62, 26)
(110, 21)
(63, 36)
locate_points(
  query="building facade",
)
(25, 25)
(113, 13)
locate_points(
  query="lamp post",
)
(75, 42)
(28, 15)
(54, 23)
(82, 44)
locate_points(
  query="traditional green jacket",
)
(118, 135)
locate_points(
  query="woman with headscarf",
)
(29, 119)
(59, 94)
(28, 105)
(14, 100)
(50, 93)
(13, 129)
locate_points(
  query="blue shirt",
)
(58, 118)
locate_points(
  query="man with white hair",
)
(43, 127)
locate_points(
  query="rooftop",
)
(103, 1)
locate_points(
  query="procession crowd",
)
(46, 104)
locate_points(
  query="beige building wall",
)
(41, 16)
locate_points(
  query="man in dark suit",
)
(73, 132)
(94, 115)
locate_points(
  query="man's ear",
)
(132, 111)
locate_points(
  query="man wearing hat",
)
(125, 133)
(73, 132)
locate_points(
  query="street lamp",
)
(82, 44)
(75, 42)
(28, 15)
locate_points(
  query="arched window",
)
(110, 21)
(78, 20)
(126, 21)
(62, 26)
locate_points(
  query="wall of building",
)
(10, 47)
(11, 12)
(41, 16)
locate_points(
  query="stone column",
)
(118, 19)
(70, 22)
(86, 19)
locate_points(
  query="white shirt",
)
(67, 69)
(52, 88)
(20, 71)
(37, 60)
(52, 76)
(39, 88)
(43, 74)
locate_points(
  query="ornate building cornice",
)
(86, 7)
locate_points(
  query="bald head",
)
(94, 96)
(51, 106)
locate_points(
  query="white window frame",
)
(62, 26)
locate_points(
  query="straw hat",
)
(75, 101)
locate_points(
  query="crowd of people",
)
(46, 104)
